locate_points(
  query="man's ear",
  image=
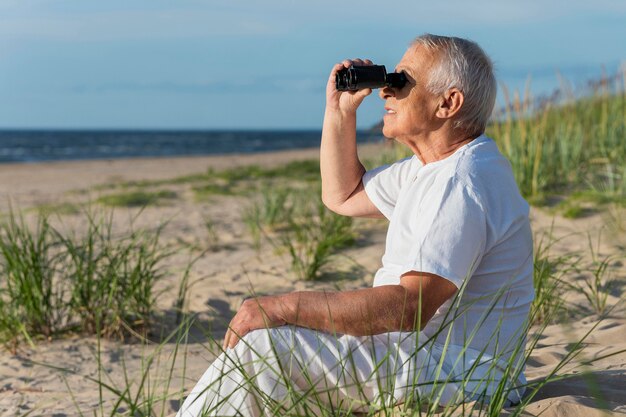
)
(450, 103)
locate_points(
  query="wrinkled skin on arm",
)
(407, 307)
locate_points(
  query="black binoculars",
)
(358, 77)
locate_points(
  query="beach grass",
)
(137, 198)
(59, 209)
(54, 281)
(33, 303)
(213, 237)
(300, 170)
(548, 271)
(296, 222)
(574, 210)
(305, 170)
(576, 145)
(112, 277)
(596, 282)
(209, 189)
(314, 236)
(584, 272)
(269, 209)
(147, 393)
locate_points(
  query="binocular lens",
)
(358, 77)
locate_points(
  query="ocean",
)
(58, 145)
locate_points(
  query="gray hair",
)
(464, 65)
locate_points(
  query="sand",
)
(32, 384)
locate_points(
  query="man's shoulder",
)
(488, 175)
(482, 161)
(398, 171)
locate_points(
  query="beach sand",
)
(31, 382)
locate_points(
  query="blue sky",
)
(263, 63)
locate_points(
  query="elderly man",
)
(446, 319)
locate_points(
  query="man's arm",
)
(360, 312)
(341, 169)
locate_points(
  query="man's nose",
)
(386, 92)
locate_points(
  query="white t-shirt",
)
(461, 218)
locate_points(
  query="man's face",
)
(410, 111)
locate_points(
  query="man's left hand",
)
(254, 313)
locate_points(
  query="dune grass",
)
(296, 222)
(207, 190)
(313, 237)
(307, 170)
(596, 282)
(578, 145)
(32, 302)
(112, 277)
(548, 271)
(246, 180)
(138, 198)
(586, 272)
(53, 282)
(57, 209)
(148, 392)
(270, 209)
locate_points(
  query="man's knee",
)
(259, 342)
(277, 341)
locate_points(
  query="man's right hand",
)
(345, 101)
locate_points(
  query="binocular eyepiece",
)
(359, 77)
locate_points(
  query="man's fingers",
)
(359, 61)
(347, 63)
(233, 342)
(338, 67)
(226, 339)
(361, 94)
(232, 338)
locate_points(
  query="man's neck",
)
(437, 146)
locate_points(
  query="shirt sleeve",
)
(449, 234)
(383, 184)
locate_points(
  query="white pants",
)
(295, 371)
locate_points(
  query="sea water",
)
(57, 145)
